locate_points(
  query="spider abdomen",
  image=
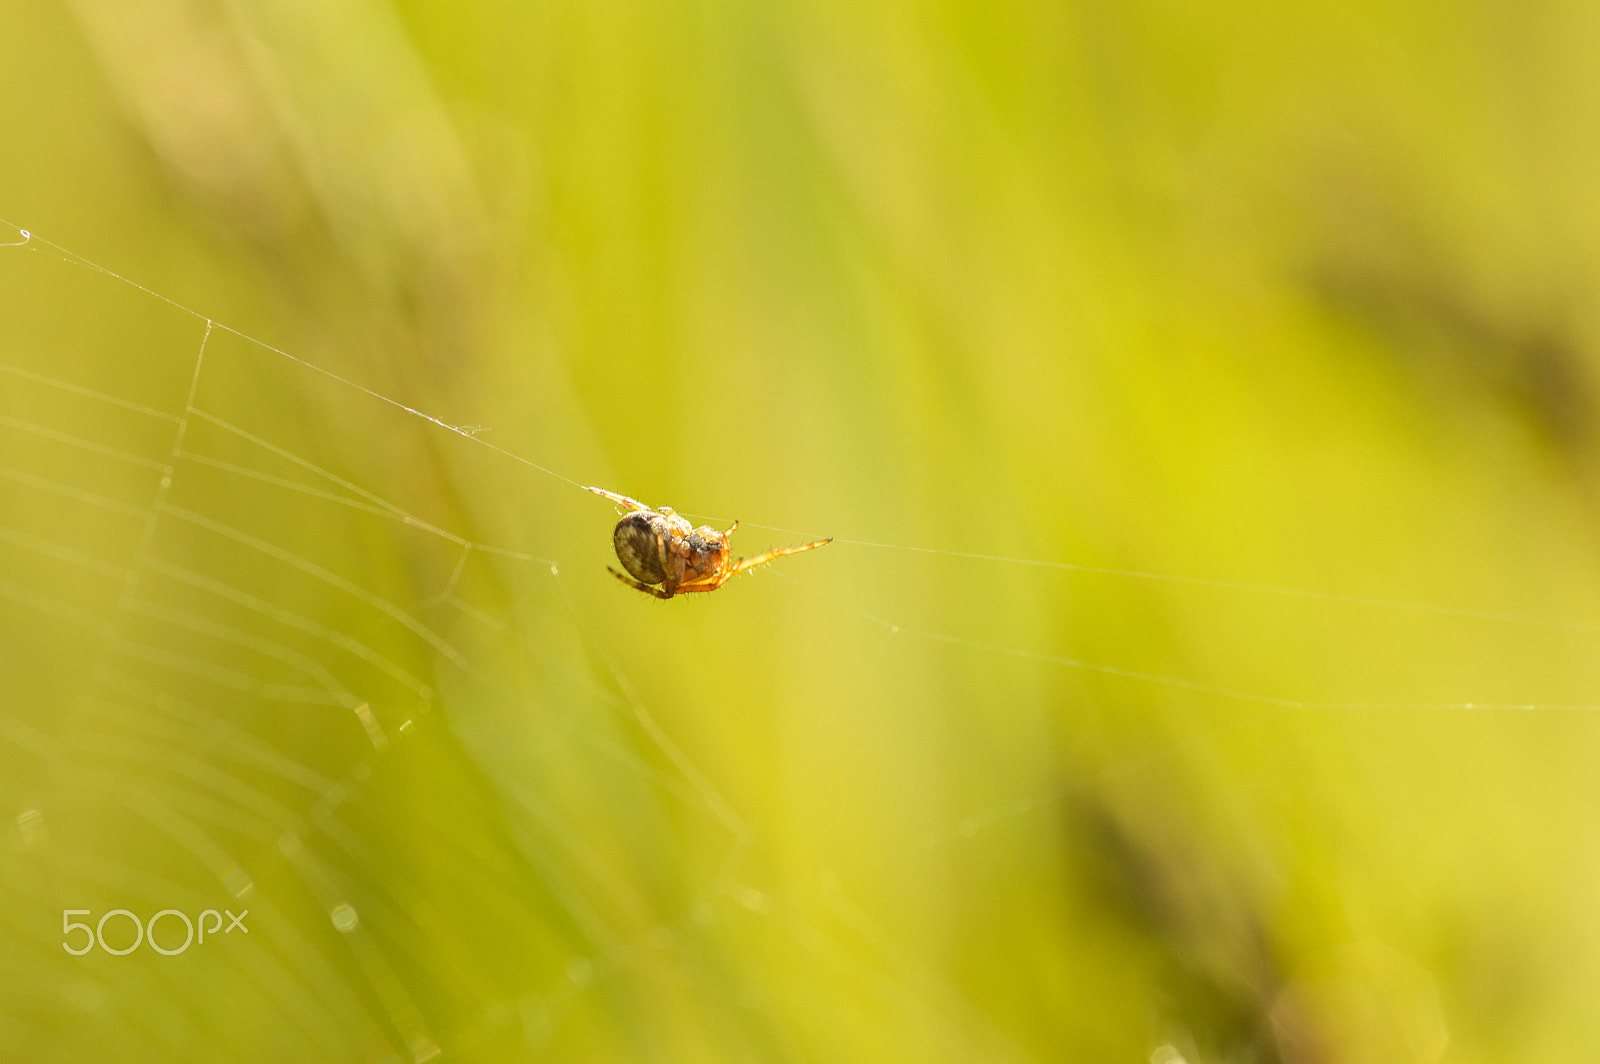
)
(641, 539)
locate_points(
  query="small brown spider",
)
(658, 547)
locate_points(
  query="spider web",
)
(221, 696)
(255, 663)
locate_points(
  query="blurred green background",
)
(1278, 319)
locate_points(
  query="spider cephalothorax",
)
(659, 547)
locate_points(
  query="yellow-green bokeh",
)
(1269, 330)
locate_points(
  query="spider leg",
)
(620, 500)
(637, 586)
(710, 583)
(766, 556)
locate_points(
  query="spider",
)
(658, 547)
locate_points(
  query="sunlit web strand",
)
(89, 393)
(141, 554)
(289, 618)
(65, 491)
(322, 573)
(1197, 686)
(44, 432)
(374, 504)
